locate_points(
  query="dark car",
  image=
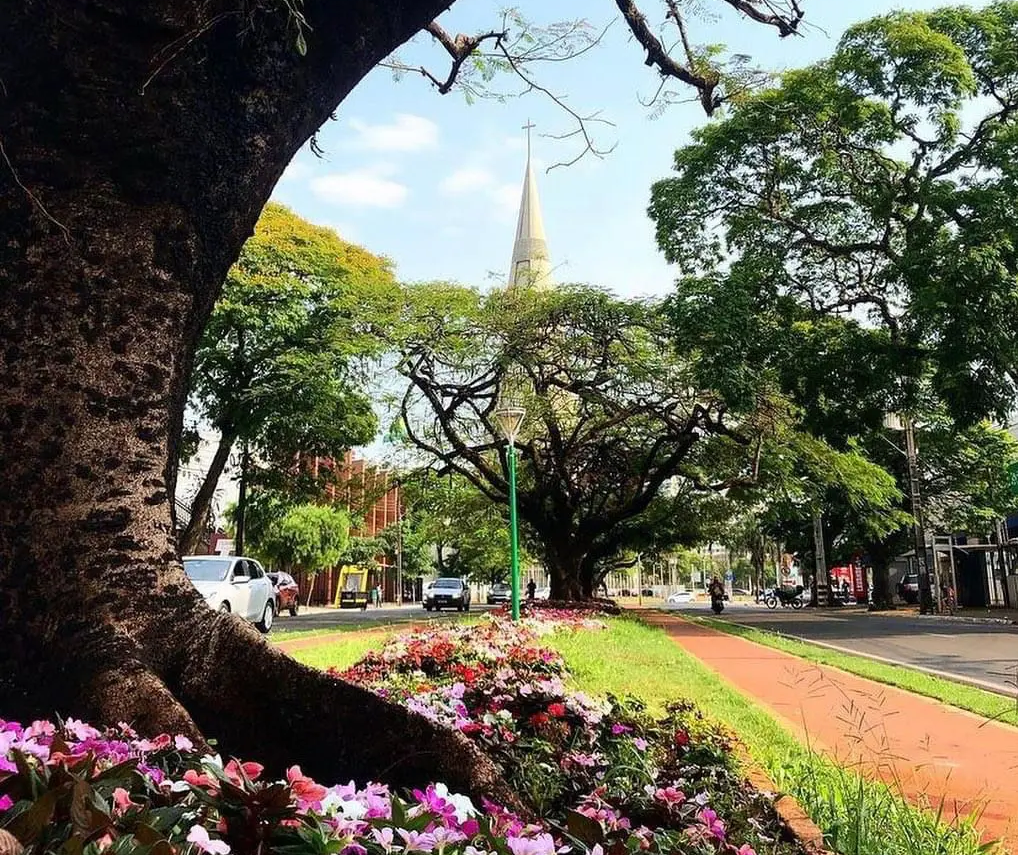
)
(287, 592)
(499, 593)
(447, 593)
(908, 588)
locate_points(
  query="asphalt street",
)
(982, 652)
(340, 619)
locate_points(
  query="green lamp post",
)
(510, 419)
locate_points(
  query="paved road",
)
(340, 619)
(983, 652)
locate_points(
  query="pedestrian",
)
(531, 589)
(378, 596)
(844, 591)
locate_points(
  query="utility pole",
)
(919, 531)
(822, 582)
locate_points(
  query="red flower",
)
(539, 719)
(681, 738)
(557, 710)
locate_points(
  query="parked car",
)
(542, 594)
(287, 593)
(499, 593)
(447, 593)
(680, 597)
(233, 583)
(908, 588)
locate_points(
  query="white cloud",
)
(406, 132)
(465, 180)
(364, 188)
(296, 171)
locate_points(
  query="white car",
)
(542, 594)
(680, 597)
(232, 583)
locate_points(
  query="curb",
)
(948, 618)
(794, 819)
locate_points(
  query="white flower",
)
(464, 807)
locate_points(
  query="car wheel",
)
(294, 609)
(224, 607)
(267, 616)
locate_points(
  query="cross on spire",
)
(528, 127)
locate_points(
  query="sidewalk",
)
(932, 750)
(968, 615)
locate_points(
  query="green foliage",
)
(862, 189)
(469, 531)
(281, 363)
(308, 537)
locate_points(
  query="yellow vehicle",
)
(352, 592)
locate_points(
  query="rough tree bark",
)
(140, 139)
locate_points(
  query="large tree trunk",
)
(882, 598)
(141, 139)
(565, 570)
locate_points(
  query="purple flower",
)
(715, 827)
(6, 802)
(619, 729)
(640, 743)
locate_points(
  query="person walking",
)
(531, 589)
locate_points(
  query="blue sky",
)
(433, 183)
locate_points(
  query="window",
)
(207, 569)
(240, 570)
(255, 569)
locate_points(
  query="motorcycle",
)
(787, 598)
(717, 604)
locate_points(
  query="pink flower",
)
(619, 729)
(670, 796)
(199, 836)
(640, 743)
(182, 743)
(414, 841)
(6, 803)
(542, 844)
(121, 799)
(746, 849)
(251, 771)
(304, 789)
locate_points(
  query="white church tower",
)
(531, 265)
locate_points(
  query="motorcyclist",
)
(717, 592)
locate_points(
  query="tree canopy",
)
(878, 185)
(617, 430)
(280, 365)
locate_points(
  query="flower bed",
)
(602, 775)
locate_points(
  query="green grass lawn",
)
(987, 704)
(858, 817)
(342, 653)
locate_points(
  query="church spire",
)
(530, 266)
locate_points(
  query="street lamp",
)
(509, 416)
(892, 421)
